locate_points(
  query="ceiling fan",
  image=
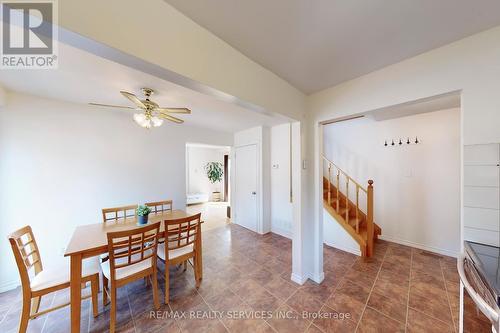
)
(152, 115)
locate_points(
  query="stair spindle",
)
(347, 200)
(357, 209)
(329, 184)
(338, 187)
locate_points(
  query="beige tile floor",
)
(213, 213)
(401, 289)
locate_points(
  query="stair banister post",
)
(369, 219)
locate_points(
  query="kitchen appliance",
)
(479, 264)
(479, 271)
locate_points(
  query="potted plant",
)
(214, 174)
(142, 214)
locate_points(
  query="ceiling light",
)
(156, 121)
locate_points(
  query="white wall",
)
(335, 235)
(61, 163)
(197, 158)
(416, 186)
(471, 65)
(281, 207)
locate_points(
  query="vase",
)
(142, 220)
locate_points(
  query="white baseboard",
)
(298, 279)
(281, 232)
(419, 246)
(6, 286)
(355, 251)
(318, 278)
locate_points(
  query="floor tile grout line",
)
(371, 290)
(49, 314)
(283, 301)
(88, 316)
(448, 297)
(130, 309)
(7, 313)
(175, 320)
(335, 289)
(211, 309)
(409, 288)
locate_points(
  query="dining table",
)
(91, 240)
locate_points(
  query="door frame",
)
(259, 188)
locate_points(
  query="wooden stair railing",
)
(358, 222)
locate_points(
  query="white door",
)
(245, 196)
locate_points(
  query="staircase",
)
(344, 198)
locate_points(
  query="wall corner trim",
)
(318, 278)
(298, 279)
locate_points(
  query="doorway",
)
(207, 183)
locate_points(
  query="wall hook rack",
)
(400, 142)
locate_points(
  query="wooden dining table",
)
(91, 240)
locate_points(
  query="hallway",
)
(213, 213)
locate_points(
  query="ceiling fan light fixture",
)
(150, 113)
(157, 122)
(142, 120)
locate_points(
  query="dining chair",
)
(38, 280)
(118, 213)
(184, 243)
(132, 256)
(160, 206)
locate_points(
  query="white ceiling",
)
(317, 44)
(83, 77)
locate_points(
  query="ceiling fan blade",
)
(174, 119)
(133, 98)
(174, 110)
(112, 106)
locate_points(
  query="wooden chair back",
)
(26, 253)
(182, 232)
(117, 213)
(160, 206)
(130, 247)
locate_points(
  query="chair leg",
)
(112, 314)
(35, 304)
(105, 291)
(185, 265)
(167, 283)
(154, 282)
(25, 315)
(196, 271)
(94, 288)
